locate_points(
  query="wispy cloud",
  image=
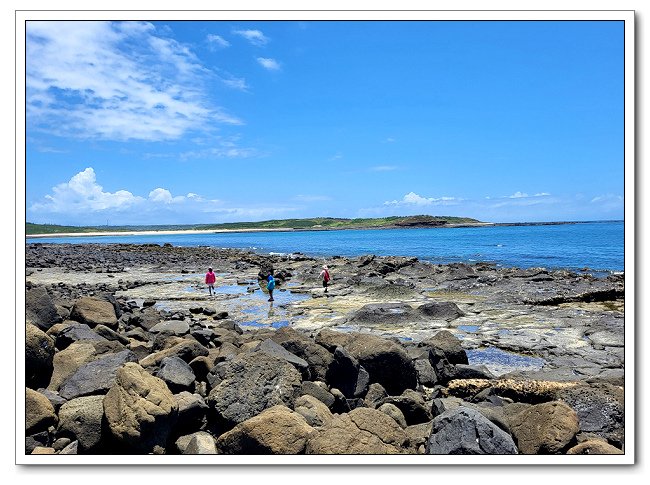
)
(333, 158)
(383, 168)
(82, 200)
(268, 63)
(414, 199)
(114, 81)
(255, 37)
(217, 42)
(390, 139)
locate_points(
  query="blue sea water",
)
(596, 245)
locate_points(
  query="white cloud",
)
(383, 168)
(270, 64)
(542, 194)
(217, 41)
(390, 139)
(416, 200)
(255, 37)
(114, 81)
(82, 200)
(518, 195)
(82, 193)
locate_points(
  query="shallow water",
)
(500, 362)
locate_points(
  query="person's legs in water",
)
(271, 295)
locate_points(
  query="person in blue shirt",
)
(270, 286)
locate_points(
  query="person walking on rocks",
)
(325, 276)
(210, 278)
(270, 285)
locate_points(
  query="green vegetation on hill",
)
(315, 223)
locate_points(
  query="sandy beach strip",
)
(154, 233)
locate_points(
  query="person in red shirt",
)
(210, 278)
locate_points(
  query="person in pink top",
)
(210, 278)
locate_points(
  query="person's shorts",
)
(324, 284)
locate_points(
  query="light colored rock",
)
(81, 419)
(315, 412)
(394, 412)
(140, 409)
(68, 361)
(545, 428)
(39, 412)
(276, 431)
(594, 447)
(94, 311)
(39, 354)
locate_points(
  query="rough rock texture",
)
(39, 356)
(81, 419)
(444, 310)
(251, 383)
(394, 412)
(276, 350)
(317, 356)
(594, 447)
(68, 361)
(449, 345)
(383, 313)
(201, 444)
(39, 308)
(412, 406)
(94, 311)
(362, 431)
(74, 333)
(466, 431)
(203, 441)
(347, 375)
(187, 350)
(546, 428)
(95, 377)
(532, 391)
(177, 374)
(140, 409)
(276, 430)
(39, 412)
(315, 412)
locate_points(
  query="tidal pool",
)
(500, 362)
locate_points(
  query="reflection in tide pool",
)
(500, 362)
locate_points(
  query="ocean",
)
(598, 246)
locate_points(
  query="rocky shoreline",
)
(126, 353)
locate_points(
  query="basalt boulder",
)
(317, 356)
(94, 311)
(140, 410)
(275, 431)
(547, 428)
(39, 357)
(251, 383)
(81, 419)
(39, 308)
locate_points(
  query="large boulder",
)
(448, 345)
(317, 356)
(547, 428)
(386, 361)
(74, 333)
(362, 431)
(347, 375)
(383, 314)
(444, 310)
(39, 412)
(251, 383)
(464, 431)
(600, 409)
(140, 410)
(412, 406)
(68, 361)
(315, 412)
(94, 311)
(39, 308)
(276, 350)
(39, 356)
(276, 431)
(171, 327)
(192, 412)
(95, 377)
(177, 374)
(81, 419)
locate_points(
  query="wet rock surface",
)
(399, 356)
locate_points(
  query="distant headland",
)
(309, 224)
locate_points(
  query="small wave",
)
(277, 254)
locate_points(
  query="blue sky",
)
(200, 122)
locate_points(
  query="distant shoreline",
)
(290, 229)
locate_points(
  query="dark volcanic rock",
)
(177, 374)
(251, 383)
(467, 432)
(39, 356)
(317, 356)
(39, 308)
(448, 344)
(383, 313)
(273, 349)
(74, 333)
(441, 310)
(95, 377)
(347, 375)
